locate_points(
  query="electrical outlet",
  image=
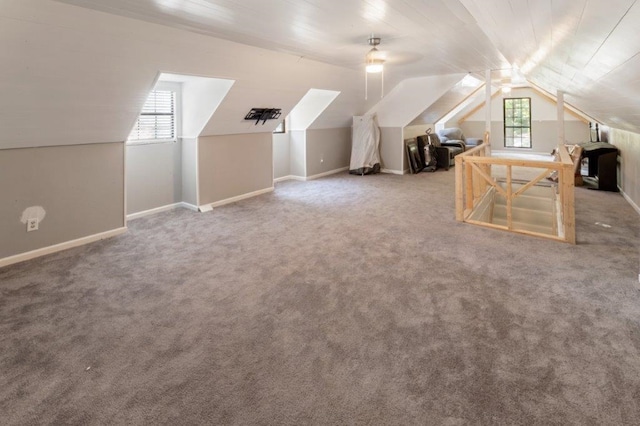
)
(32, 224)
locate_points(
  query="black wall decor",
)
(263, 114)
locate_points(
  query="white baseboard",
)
(318, 176)
(630, 201)
(189, 206)
(281, 179)
(330, 172)
(59, 247)
(393, 172)
(208, 207)
(289, 177)
(144, 213)
(168, 207)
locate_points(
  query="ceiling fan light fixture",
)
(374, 63)
(375, 66)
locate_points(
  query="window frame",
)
(176, 88)
(283, 123)
(505, 126)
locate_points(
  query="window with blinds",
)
(157, 121)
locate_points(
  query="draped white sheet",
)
(365, 145)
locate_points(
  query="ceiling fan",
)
(374, 59)
(374, 63)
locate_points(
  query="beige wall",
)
(417, 130)
(629, 174)
(154, 176)
(81, 188)
(234, 165)
(190, 171)
(392, 149)
(327, 150)
(298, 153)
(281, 155)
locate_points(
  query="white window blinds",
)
(157, 119)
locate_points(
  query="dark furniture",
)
(414, 157)
(444, 153)
(421, 157)
(603, 164)
(448, 143)
(455, 135)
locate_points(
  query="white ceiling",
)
(588, 48)
(418, 37)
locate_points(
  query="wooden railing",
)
(474, 182)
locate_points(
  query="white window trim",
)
(284, 127)
(177, 89)
(504, 126)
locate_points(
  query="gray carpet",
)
(345, 300)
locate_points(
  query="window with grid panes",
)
(517, 122)
(157, 121)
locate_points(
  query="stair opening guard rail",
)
(474, 180)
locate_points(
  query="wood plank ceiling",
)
(587, 48)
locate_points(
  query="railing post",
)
(468, 176)
(568, 203)
(566, 185)
(459, 188)
(509, 199)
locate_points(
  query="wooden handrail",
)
(501, 161)
(474, 180)
(475, 150)
(565, 158)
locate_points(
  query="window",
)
(157, 121)
(281, 128)
(517, 122)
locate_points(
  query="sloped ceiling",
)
(418, 37)
(409, 98)
(587, 48)
(72, 75)
(312, 104)
(463, 92)
(542, 103)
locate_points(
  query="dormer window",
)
(157, 120)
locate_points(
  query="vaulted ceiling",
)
(590, 49)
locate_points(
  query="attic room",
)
(232, 271)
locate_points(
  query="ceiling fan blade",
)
(402, 58)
